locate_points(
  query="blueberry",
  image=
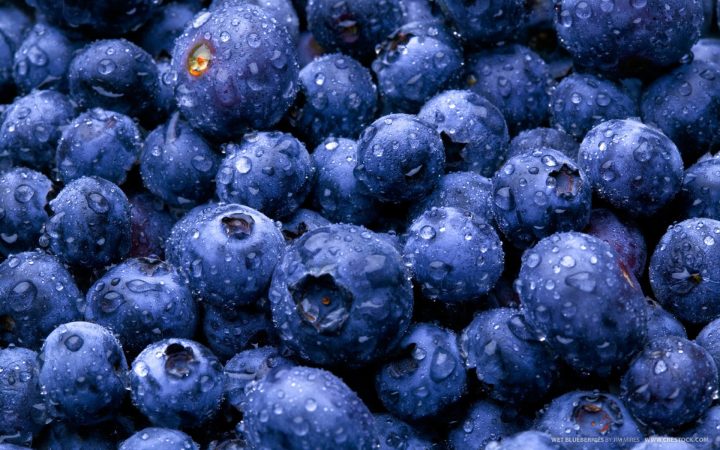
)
(114, 74)
(151, 226)
(217, 98)
(157, 36)
(339, 196)
(337, 98)
(709, 339)
(420, 11)
(302, 221)
(394, 434)
(415, 62)
(269, 171)
(663, 443)
(43, 59)
(624, 237)
(177, 383)
(707, 50)
(507, 356)
(23, 199)
(12, 447)
(540, 193)
(598, 421)
(661, 323)
(473, 130)
(462, 190)
(308, 49)
(658, 391)
(229, 332)
(282, 11)
(302, 407)
(628, 37)
(485, 421)
(515, 79)
(21, 405)
(90, 225)
(83, 373)
(685, 105)
(228, 253)
(486, 23)
(159, 439)
(683, 272)
(537, 138)
(31, 128)
(581, 101)
(141, 301)
(632, 166)
(248, 367)
(706, 430)
(341, 295)
(526, 440)
(454, 255)
(165, 95)
(426, 376)
(98, 143)
(700, 192)
(38, 295)
(177, 164)
(400, 158)
(61, 436)
(353, 27)
(14, 22)
(579, 298)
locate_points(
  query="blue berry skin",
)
(353, 28)
(400, 158)
(23, 198)
(204, 244)
(14, 23)
(515, 79)
(165, 95)
(269, 171)
(660, 445)
(700, 192)
(217, 98)
(43, 59)
(83, 373)
(538, 194)
(339, 196)
(114, 74)
(483, 423)
(157, 36)
(661, 323)
(142, 301)
(624, 237)
(420, 11)
(462, 190)
(628, 38)
(316, 410)
(473, 130)
(526, 440)
(38, 295)
(579, 298)
(684, 273)
(337, 98)
(159, 439)
(61, 436)
(589, 416)
(538, 138)
(507, 356)
(229, 332)
(581, 101)
(302, 221)
(394, 434)
(282, 11)
(31, 128)
(415, 62)
(21, 404)
(685, 105)
(454, 256)
(706, 428)
(248, 367)
(98, 143)
(427, 375)
(632, 166)
(341, 296)
(480, 23)
(177, 383)
(657, 389)
(177, 164)
(91, 17)
(709, 339)
(707, 50)
(90, 225)
(151, 226)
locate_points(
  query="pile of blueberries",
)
(359, 224)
